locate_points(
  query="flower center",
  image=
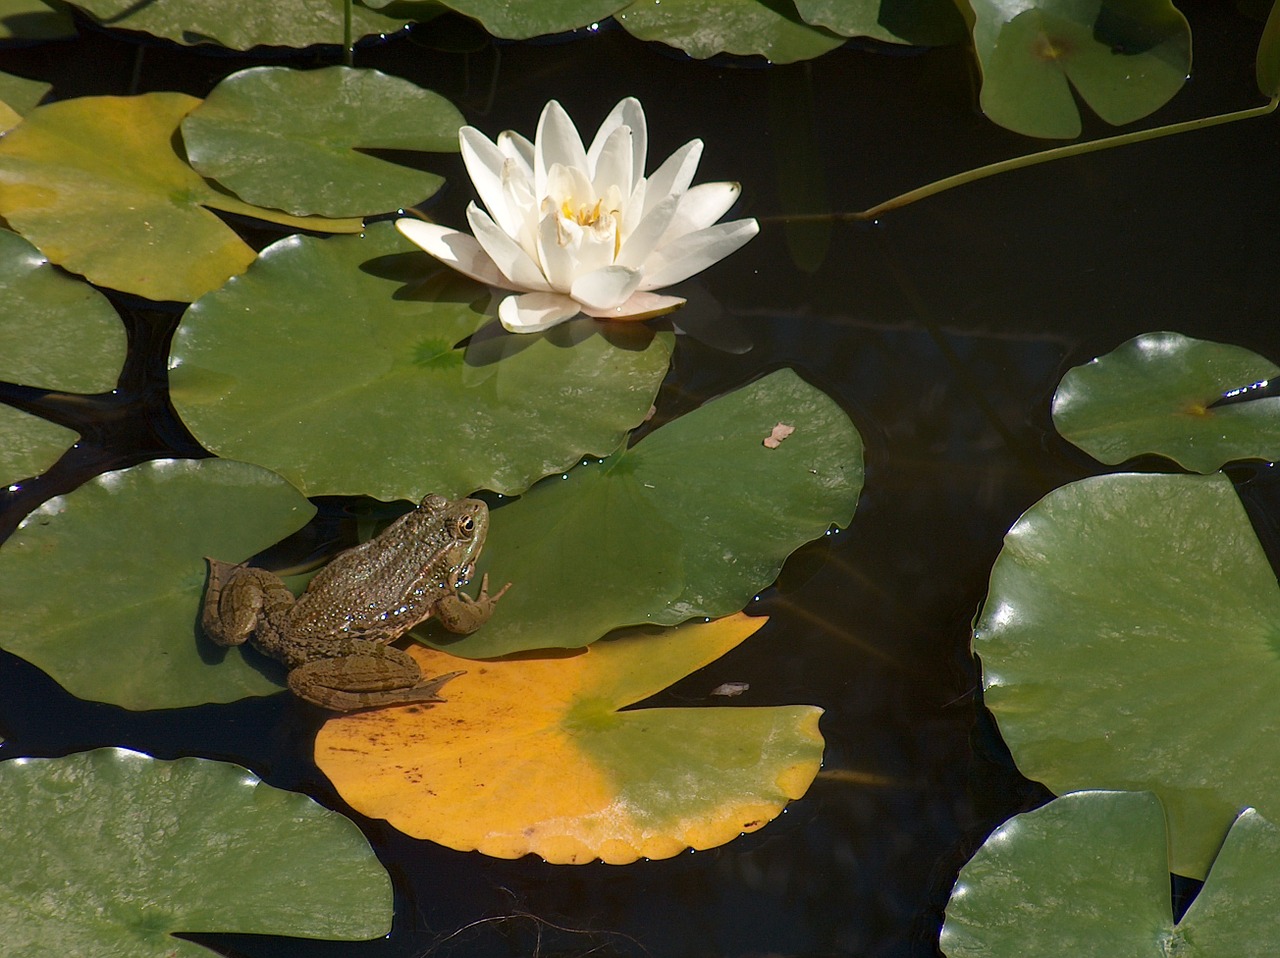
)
(584, 216)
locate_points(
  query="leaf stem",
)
(1046, 156)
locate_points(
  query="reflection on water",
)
(942, 331)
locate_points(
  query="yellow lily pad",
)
(533, 755)
(98, 186)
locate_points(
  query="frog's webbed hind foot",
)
(373, 676)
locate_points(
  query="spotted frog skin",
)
(334, 637)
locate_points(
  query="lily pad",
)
(1087, 876)
(110, 852)
(101, 588)
(1267, 67)
(34, 20)
(487, 770)
(29, 445)
(18, 95)
(653, 535)
(1152, 395)
(703, 28)
(96, 184)
(290, 139)
(522, 19)
(241, 24)
(337, 363)
(1125, 58)
(1129, 640)
(59, 333)
(917, 22)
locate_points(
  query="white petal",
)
(518, 148)
(517, 265)
(640, 305)
(695, 252)
(607, 288)
(643, 240)
(633, 210)
(700, 207)
(613, 166)
(628, 113)
(674, 175)
(534, 312)
(558, 242)
(517, 188)
(485, 163)
(556, 141)
(454, 249)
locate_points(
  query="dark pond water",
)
(942, 330)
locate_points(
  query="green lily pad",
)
(1126, 59)
(336, 363)
(703, 28)
(1129, 640)
(59, 333)
(29, 445)
(289, 138)
(96, 184)
(109, 852)
(1152, 395)
(18, 95)
(101, 588)
(1087, 876)
(1267, 67)
(917, 22)
(241, 24)
(34, 20)
(522, 19)
(653, 535)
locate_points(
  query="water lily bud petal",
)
(518, 148)
(534, 312)
(556, 141)
(613, 168)
(627, 113)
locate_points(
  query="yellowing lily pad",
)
(703, 28)
(344, 365)
(1152, 395)
(95, 183)
(1126, 59)
(18, 95)
(533, 755)
(290, 139)
(101, 588)
(111, 852)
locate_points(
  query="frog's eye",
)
(466, 526)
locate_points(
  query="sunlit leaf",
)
(703, 28)
(1087, 876)
(95, 183)
(18, 95)
(29, 445)
(1125, 58)
(109, 852)
(652, 534)
(521, 19)
(58, 333)
(336, 363)
(1152, 395)
(1267, 67)
(919, 22)
(34, 20)
(240, 24)
(290, 139)
(101, 588)
(532, 755)
(1129, 640)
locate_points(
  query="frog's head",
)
(460, 526)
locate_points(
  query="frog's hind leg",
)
(237, 598)
(362, 675)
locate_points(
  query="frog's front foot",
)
(460, 613)
(367, 675)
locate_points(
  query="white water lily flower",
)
(572, 230)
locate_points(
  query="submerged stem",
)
(1046, 156)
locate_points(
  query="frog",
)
(335, 638)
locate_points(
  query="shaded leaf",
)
(1267, 67)
(29, 445)
(1087, 876)
(240, 24)
(521, 19)
(918, 22)
(108, 852)
(1152, 395)
(487, 770)
(34, 20)
(101, 588)
(703, 28)
(18, 95)
(96, 184)
(1125, 58)
(336, 362)
(58, 333)
(649, 535)
(289, 138)
(1129, 641)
